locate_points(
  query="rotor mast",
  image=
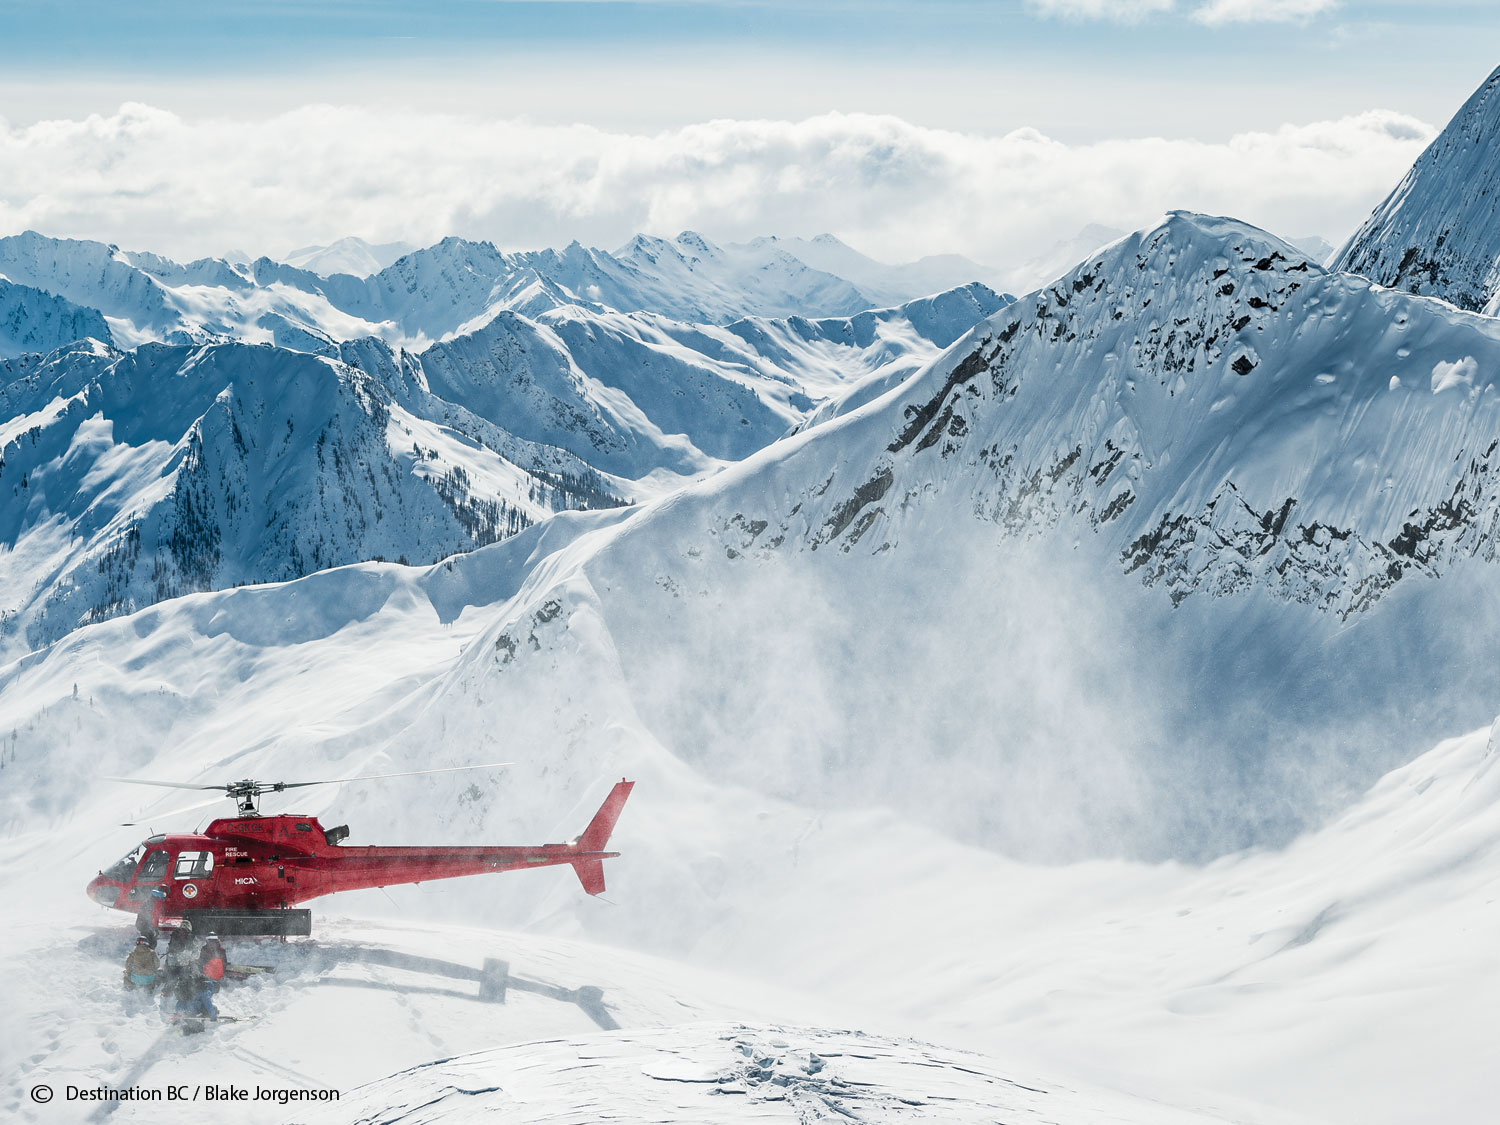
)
(246, 794)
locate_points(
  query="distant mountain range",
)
(428, 295)
(254, 459)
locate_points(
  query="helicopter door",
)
(154, 869)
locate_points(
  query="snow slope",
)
(1301, 978)
(1259, 490)
(735, 1073)
(138, 476)
(32, 320)
(1438, 232)
(1226, 512)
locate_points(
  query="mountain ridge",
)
(1438, 232)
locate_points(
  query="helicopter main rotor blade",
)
(163, 784)
(152, 818)
(378, 776)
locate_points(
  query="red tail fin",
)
(591, 874)
(591, 871)
(596, 835)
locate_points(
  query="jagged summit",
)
(1438, 233)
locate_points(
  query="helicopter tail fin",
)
(590, 871)
(596, 835)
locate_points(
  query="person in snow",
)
(194, 999)
(145, 917)
(181, 965)
(195, 993)
(140, 974)
(212, 961)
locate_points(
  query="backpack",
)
(213, 968)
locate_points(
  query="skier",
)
(180, 966)
(211, 961)
(140, 975)
(145, 918)
(194, 1003)
(200, 980)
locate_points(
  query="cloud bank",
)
(1210, 12)
(147, 178)
(1267, 11)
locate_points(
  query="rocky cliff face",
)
(1220, 411)
(1438, 233)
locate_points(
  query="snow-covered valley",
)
(1278, 984)
(1075, 708)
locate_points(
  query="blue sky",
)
(988, 127)
(943, 62)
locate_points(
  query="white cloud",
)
(1120, 10)
(145, 178)
(1212, 12)
(1254, 11)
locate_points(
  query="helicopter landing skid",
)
(246, 923)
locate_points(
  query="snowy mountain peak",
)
(1438, 232)
(349, 255)
(33, 320)
(1192, 230)
(1213, 403)
(694, 243)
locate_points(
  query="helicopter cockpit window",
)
(122, 871)
(194, 865)
(154, 869)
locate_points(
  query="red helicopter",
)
(243, 875)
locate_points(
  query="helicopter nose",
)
(102, 891)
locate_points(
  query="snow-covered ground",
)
(1272, 986)
(734, 1073)
(1278, 984)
